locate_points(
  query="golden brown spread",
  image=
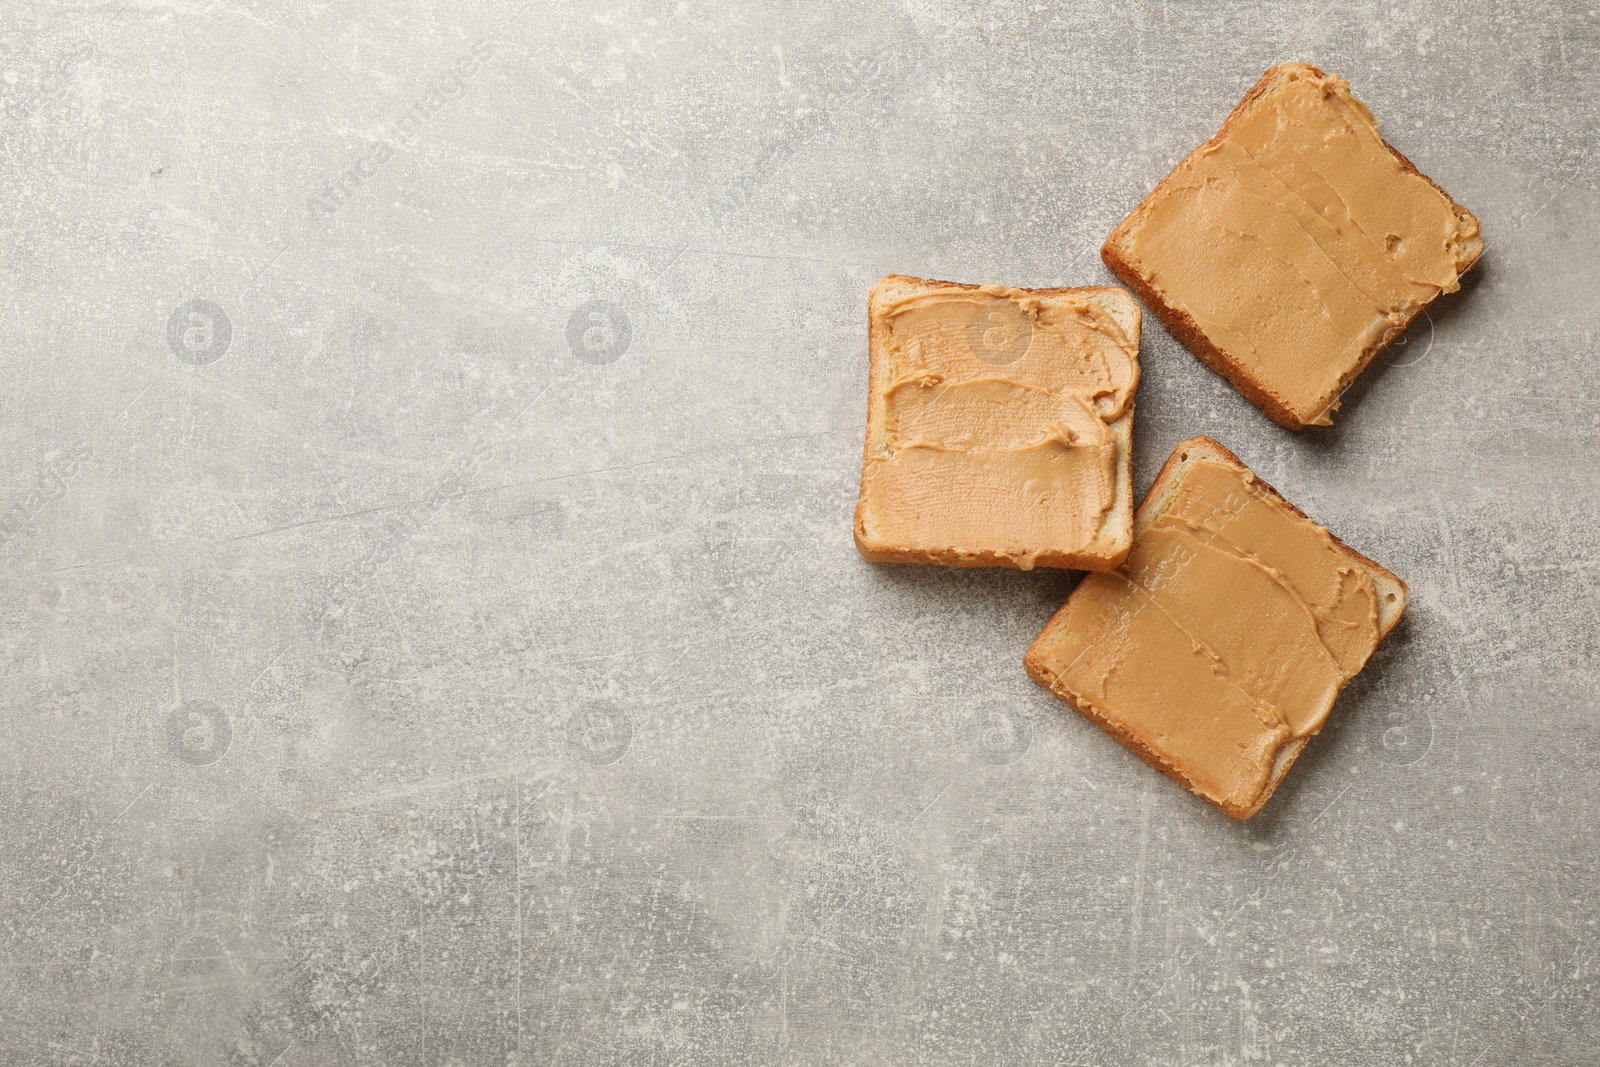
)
(1229, 630)
(1298, 242)
(994, 433)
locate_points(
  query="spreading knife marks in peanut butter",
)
(997, 430)
(1229, 631)
(1299, 242)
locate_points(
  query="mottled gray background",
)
(462, 659)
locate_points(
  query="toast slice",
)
(1216, 651)
(999, 425)
(1291, 248)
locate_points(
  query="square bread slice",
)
(1291, 248)
(999, 425)
(1215, 652)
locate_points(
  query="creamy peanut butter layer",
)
(1226, 635)
(998, 425)
(1296, 244)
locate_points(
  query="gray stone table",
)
(431, 629)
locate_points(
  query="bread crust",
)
(1183, 326)
(1033, 661)
(878, 552)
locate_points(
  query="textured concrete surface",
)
(432, 634)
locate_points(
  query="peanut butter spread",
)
(993, 431)
(1229, 631)
(1298, 242)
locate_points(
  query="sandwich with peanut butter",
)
(1293, 246)
(999, 425)
(1215, 652)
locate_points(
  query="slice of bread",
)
(1109, 542)
(1225, 333)
(1047, 660)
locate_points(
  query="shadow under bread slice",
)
(1293, 246)
(1217, 649)
(999, 425)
